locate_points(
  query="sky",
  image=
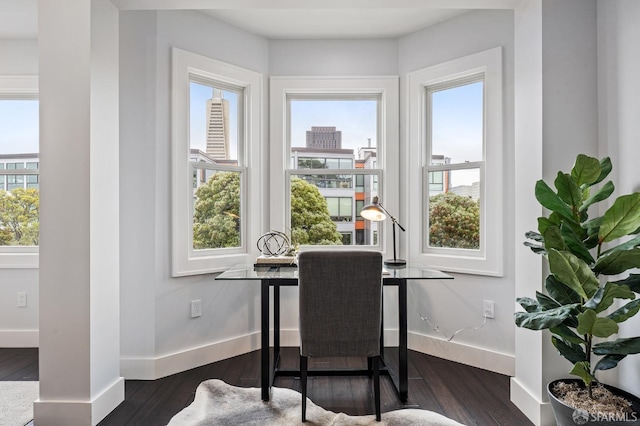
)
(19, 127)
(457, 132)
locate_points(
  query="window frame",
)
(489, 259)
(187, 67)
(19, 87)
(385, 89)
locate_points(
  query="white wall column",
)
(80, 379)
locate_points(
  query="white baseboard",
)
(470, 355)
(79, 412)
(155, 368)
(166, 365)
(540, 413)
(19, 338)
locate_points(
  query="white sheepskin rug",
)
(217, 403)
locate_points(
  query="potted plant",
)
(585, 298)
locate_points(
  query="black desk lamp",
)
(375, 212)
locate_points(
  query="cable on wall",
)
(436, 328)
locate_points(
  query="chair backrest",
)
(340, 303)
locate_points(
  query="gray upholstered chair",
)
(340, 310)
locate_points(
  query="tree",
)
(20, 217)
(454, 221)
(216, 218)
(310, 220)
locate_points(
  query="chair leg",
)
(376, 386)
(303, 384)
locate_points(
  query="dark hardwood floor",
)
(469, 395)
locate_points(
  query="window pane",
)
(454, 209)
(457, 116)
(19, 196)
(214, 122)
(322, 215)
(216, 212)
(333, 124)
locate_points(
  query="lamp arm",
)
(393, 219)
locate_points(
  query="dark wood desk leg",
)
(264, 355)
(276, 325)
(402, 347)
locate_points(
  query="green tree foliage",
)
(310, 220)
(454, 221)
(19, 217)
(216, 219)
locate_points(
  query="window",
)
(455, 151)
(216, 133)
(19, 175)
(328, 157)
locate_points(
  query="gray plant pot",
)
(568, 416)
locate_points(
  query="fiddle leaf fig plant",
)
(584, 300)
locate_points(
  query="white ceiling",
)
(275, 18)
(333, 23)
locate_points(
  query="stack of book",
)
(271, 261)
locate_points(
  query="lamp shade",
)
(373, 211)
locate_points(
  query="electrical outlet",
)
(22, 299)
(488, 309)
(196, 308)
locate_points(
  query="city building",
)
(218, 126)
(323, 137)
(19, 171)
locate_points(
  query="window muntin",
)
(455, 131)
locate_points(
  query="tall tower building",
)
(218, 126)
(324, 138)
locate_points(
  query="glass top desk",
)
(277, 277)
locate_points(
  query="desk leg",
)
(403, 367)
(264, 352)
(276, 325)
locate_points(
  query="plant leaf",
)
(545, 301)
(575, 244)
(567, 334)
(632, 281)
(535, 236)
(595, 299)
(574, 353)
(573, 272)
(600, 195)
(590, 323)
(605, 169)
(551, 200)
(536, 248)
(632, 243)
(529, 304)
(609, 292)
(625, 312)
(553, 239)
(616, 262)
(544, 319)
(581, 369)
(608, 362)
(560, 292)
(624, 346)
(586, 170)
(568, 191)
(621, 218)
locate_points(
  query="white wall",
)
(159, 336)
(619, 109)
(18, 326)
(452, 305)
